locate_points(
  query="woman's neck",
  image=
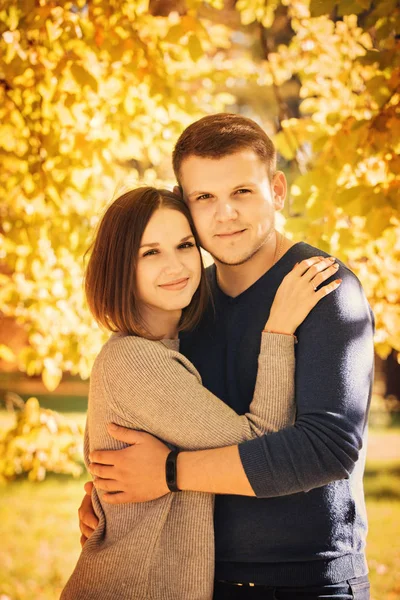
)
(161, 323)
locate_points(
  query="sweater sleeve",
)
(334, 375)
(160, 391)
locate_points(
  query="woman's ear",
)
(178, 190)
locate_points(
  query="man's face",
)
(233, 203)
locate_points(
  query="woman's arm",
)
(160, 391)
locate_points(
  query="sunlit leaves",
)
(349, 198)
(41, 441)
(90, 95)
(257, 10)
(85, 92)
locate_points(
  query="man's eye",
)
(150, 253)
(186, 245)
(203, 197)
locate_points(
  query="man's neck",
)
(233, 280)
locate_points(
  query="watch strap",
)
(171, 472)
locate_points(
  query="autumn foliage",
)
(91, 92)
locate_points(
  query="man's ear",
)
(279, 189)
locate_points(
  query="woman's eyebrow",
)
(154, 244)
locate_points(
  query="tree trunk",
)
(392, 370)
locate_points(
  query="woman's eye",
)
(203, 197)
(243, 191)
(186, 245)
(150, 253)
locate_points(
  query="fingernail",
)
(338, 280)
(332, 258)
(336, 266)
(112, 426)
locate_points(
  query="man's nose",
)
(225, 211)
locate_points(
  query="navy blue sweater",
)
(307, 523)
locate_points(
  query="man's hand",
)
(133, 474)
(87, 519)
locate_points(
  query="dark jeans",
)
(352, 589)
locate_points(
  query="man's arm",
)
(334, 370)
(334, 375)
(218, 471)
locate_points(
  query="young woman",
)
(145, 282)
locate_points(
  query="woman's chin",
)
(178, 305)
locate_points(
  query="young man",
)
(303, 535)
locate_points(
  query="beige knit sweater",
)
(164, 549)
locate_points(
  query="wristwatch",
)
(170, 471)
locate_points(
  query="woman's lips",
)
(179, 284)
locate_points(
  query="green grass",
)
(40, 537)
(382, 490)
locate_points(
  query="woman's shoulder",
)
(143, 354)
(122, 346)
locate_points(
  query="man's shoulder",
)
(302, 251)
(348, 303)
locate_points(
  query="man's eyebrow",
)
(196, 193)
(155, 244)
(236, 187)
(244, 185)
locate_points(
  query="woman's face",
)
(169, 268)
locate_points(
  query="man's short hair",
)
(219, 135)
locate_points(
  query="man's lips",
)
(178, 284)
(230, 234)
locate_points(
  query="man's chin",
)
(233, 261)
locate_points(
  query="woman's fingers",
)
(324, 275)
(303, 266)
(317, 267)
(327, 289)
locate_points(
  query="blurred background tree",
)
(94, 92)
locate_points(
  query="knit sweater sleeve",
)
(334, 375)
(160, 391)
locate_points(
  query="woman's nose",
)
(173, 264)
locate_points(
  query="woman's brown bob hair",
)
(110, 279)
